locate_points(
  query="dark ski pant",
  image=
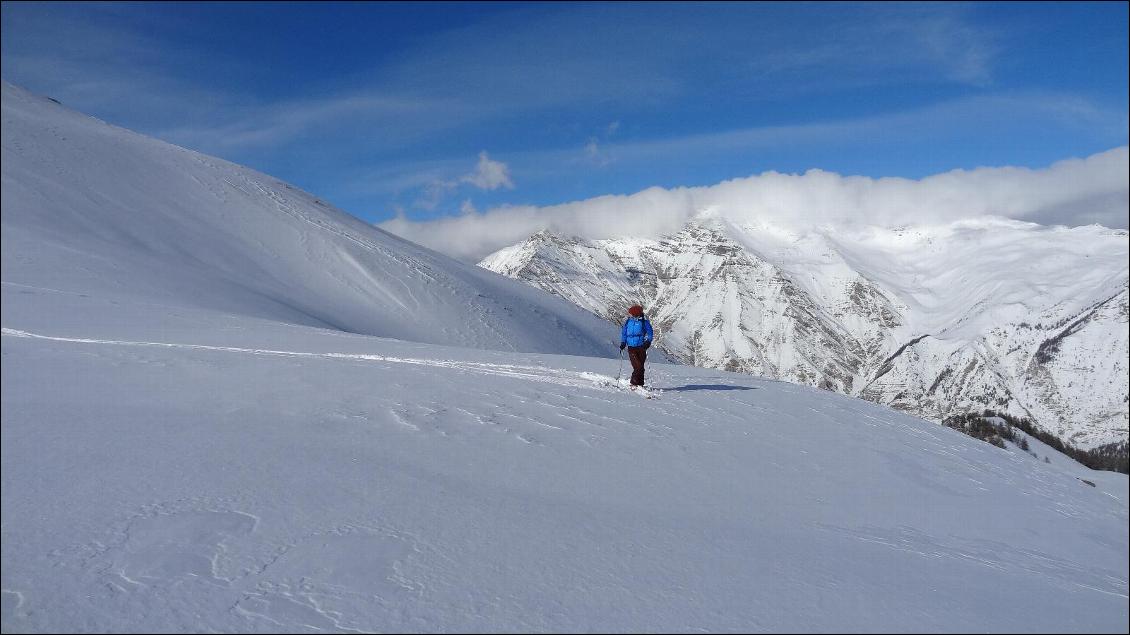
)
(638, 355)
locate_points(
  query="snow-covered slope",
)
(976, 314)
(276, 478)
(186, 447)
(90, 208)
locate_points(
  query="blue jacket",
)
(636, 331)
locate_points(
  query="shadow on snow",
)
(709, 387)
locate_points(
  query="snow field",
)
(362, 484)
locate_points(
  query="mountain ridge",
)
(858, 311)
(197, 232)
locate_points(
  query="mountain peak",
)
(847, 310)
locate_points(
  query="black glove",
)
(646, 345)
(622, 345)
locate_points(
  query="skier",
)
(636, 336)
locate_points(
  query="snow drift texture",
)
(192, 442)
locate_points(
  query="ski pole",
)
(621, 370)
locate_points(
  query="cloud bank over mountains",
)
(1093, 190)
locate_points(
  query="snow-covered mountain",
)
(986, 313)
(208, 426)
(91, 208)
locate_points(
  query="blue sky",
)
(432, 109)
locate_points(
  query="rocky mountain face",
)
(986, 314)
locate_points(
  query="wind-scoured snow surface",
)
(204, 458)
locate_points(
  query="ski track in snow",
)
(213, 558)
(203, 550)
(578, 379)
(218, 559)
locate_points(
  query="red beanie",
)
(636, 310)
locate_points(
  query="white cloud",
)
(467, 207)
(1074, 191)
(489, 174)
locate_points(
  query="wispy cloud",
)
(874, 44)
(489, 174)
(943, 118)
(432, 194)
(269, 126)
(493, 67)
(593, 153)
